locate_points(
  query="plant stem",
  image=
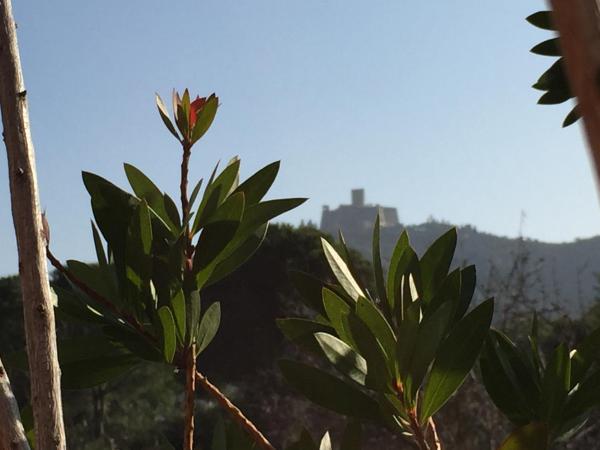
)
(415, 427)
(437, 443)
(190, 396)
(190, 352)
(417, 431)
(38, 311)
(235, 413)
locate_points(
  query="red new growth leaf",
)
(195, 108)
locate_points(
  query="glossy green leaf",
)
(586, 396)
(336, 309)
(572, 117)
(73, 306)
(194, 316)
(93, 277)
(533, 436)
(541, 19)
(550, 47)
(239, 256)
(164, 115)
(172, 211)
(145, 189)
(399, 264)
(555, 97)
(100, 254)
(507, 380)
(195, 192)
(435, 263)
(309, 288)
(341, 271)
(215, 193)
(468, 283)
(378, 325)
(554, 78)
(216, 236)
(379, 367)
(302, 332)
(205, 118)
(455, 358)
(431, 332)
(256, 186)
(378, 269)
(179, 313)
(258, 214)
(169, 336)
(208, 327)
(343, 357)
(556, 384)
(330, 392)
(137, 344)
(587, 352)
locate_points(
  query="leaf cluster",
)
(553, 82)
(400, 353)
(547, 401)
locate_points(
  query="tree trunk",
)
(44, 372)
(12, 434)
(578, 22)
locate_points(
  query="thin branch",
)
(12, 434)
(38, 311)
(434, 435)
(96, 296)
(235, 412)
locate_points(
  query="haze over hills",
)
(561, 273)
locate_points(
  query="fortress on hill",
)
(357, 216)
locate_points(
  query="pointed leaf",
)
(178, 307)
(208, 327)
(329, 391)
(455, 358)
(302, 332)
(435, 263)
(169, 337)
(256, 186)
(542, 19)
(341, 271)
(551, 47)
(343, 357)
(377, 268)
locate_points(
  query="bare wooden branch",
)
(12, 434)
(578, 23)
(237, 415)
(27, 218)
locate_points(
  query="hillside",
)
(563, 273)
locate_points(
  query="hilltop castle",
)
(357, 216)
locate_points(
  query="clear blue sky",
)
(427, 105)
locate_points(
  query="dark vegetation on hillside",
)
(132, 414)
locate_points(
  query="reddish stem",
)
(132, 321)
(190, 396)
(235, 413)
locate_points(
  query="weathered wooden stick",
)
(44, 372)
(578, 23)
(12, 434)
